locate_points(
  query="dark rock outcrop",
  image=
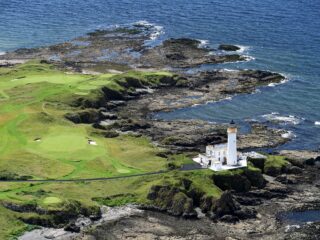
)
(274, 171)
(228, 47)
(255, 177)
(66, 214)
(228, 209)
(234, 181)
(258, 162)
(172, 200)
(87, 116)
(293, 170)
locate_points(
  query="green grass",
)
(275, 161)
(37, 141)
(51, 200)
(33, 109)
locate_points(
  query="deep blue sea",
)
(281, 36)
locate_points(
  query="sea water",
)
(280, 36)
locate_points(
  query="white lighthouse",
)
(232, 158)
(223, 156)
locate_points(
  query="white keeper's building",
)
(223, 156)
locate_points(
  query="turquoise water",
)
(281, 36)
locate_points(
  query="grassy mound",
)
(275, 165)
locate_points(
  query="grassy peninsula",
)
(39, 142)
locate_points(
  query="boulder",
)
(228, 47)
(273, 171)
(226, 205)
(293, 170)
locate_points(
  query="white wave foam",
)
(157, 30)
(276, 84)
(288, 135)
(242, 49)
(256, 91)
(143, 23)
(317, 123)
(251, 120)
(289, 119)
(2, 53)
(203, 43)
(249, 58)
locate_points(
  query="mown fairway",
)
(37, 141)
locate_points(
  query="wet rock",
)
(228, 47)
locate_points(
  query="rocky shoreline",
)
(241, 213)
(258, 209)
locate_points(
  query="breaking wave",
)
(286, 119)
(156, 30)
(242, 49)
(288, 134)
(203, 43)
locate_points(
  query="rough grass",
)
(275, 161)
(51, 200)
(36, 141)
